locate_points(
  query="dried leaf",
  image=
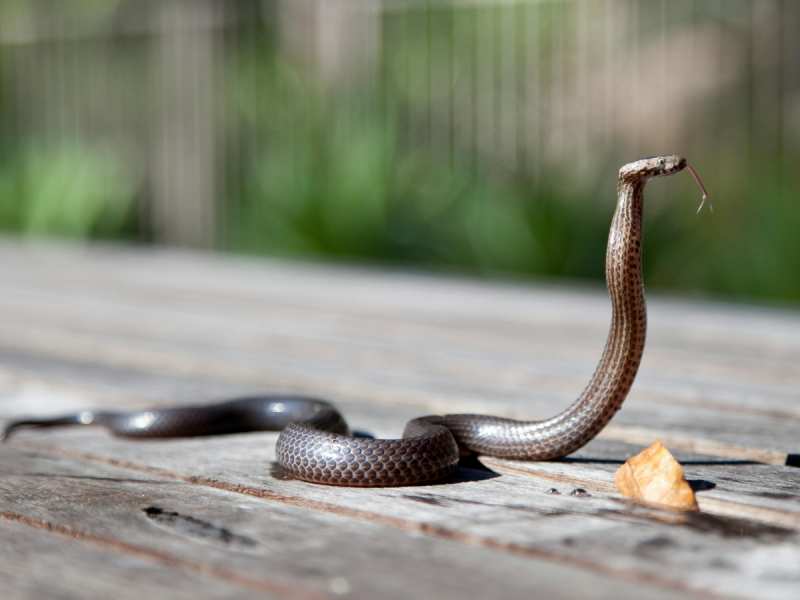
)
(655, 477)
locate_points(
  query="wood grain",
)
(117, 327)
(36, 563)
(290, 551)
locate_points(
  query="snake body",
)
(314, 444)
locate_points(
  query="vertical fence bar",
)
(184, 169)
(521, 69)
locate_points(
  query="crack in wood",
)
(198, 528)
(446, 501)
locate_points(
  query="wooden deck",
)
(84, 515)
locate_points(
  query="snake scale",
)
(314, 444)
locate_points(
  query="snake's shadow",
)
(360, 433)
(470, 468)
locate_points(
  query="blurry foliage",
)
(332, 176)
(749, 248)
(331, 181)
(335, 180)
(66, 190)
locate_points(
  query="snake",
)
(315, 445)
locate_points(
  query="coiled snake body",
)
(314, 444)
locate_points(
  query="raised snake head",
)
(654, 166)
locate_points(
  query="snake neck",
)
(612, 379)
(616, 370)
(619, 363)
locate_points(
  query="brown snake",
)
(314, 445)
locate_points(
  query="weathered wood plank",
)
(240, 282)
(549, 309)
(276, 547)
(37, 563)
(89, 327)
(73, 387)
(550, 344)
(388, 377)
(767, 493)
(507, 515)
(544, 355)
(520, 518)
(273, 288)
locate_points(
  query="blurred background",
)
(480, 137)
